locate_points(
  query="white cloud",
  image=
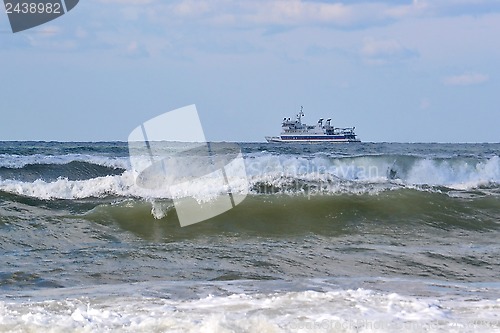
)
(191, 8)
(288, 13)
(380, 52)
(295, 12)
(49, 30)
(81, 33)
(374, 48)
(51, 37)
(465, 79)
(425, 104)
(402, 11)
(127, 2)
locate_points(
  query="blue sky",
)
(405, 71)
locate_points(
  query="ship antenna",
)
(301, 113)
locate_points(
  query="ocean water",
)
(330, 238)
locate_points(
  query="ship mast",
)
(300, 115)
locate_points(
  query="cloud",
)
(188, 25)
(463, 7)
(466, 79)
(425, 104)
(127, 2)
(357, 14)
(258, 14)
(191, 8)
(381, 52)
(293, 13)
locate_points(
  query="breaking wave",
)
(78, 177)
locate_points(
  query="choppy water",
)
(355, 237)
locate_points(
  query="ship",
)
(298, 132)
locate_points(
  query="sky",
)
(399, 71)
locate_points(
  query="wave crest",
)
(290, 174)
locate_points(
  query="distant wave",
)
(13, 161)
(74, 170)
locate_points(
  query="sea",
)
(360, 237)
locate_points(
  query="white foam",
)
(118, 185)
(318, 167)
(358, 310)
(456, 174)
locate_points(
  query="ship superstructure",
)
(296, 131)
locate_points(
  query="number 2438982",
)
(33, 8)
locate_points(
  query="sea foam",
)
(359, 310)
